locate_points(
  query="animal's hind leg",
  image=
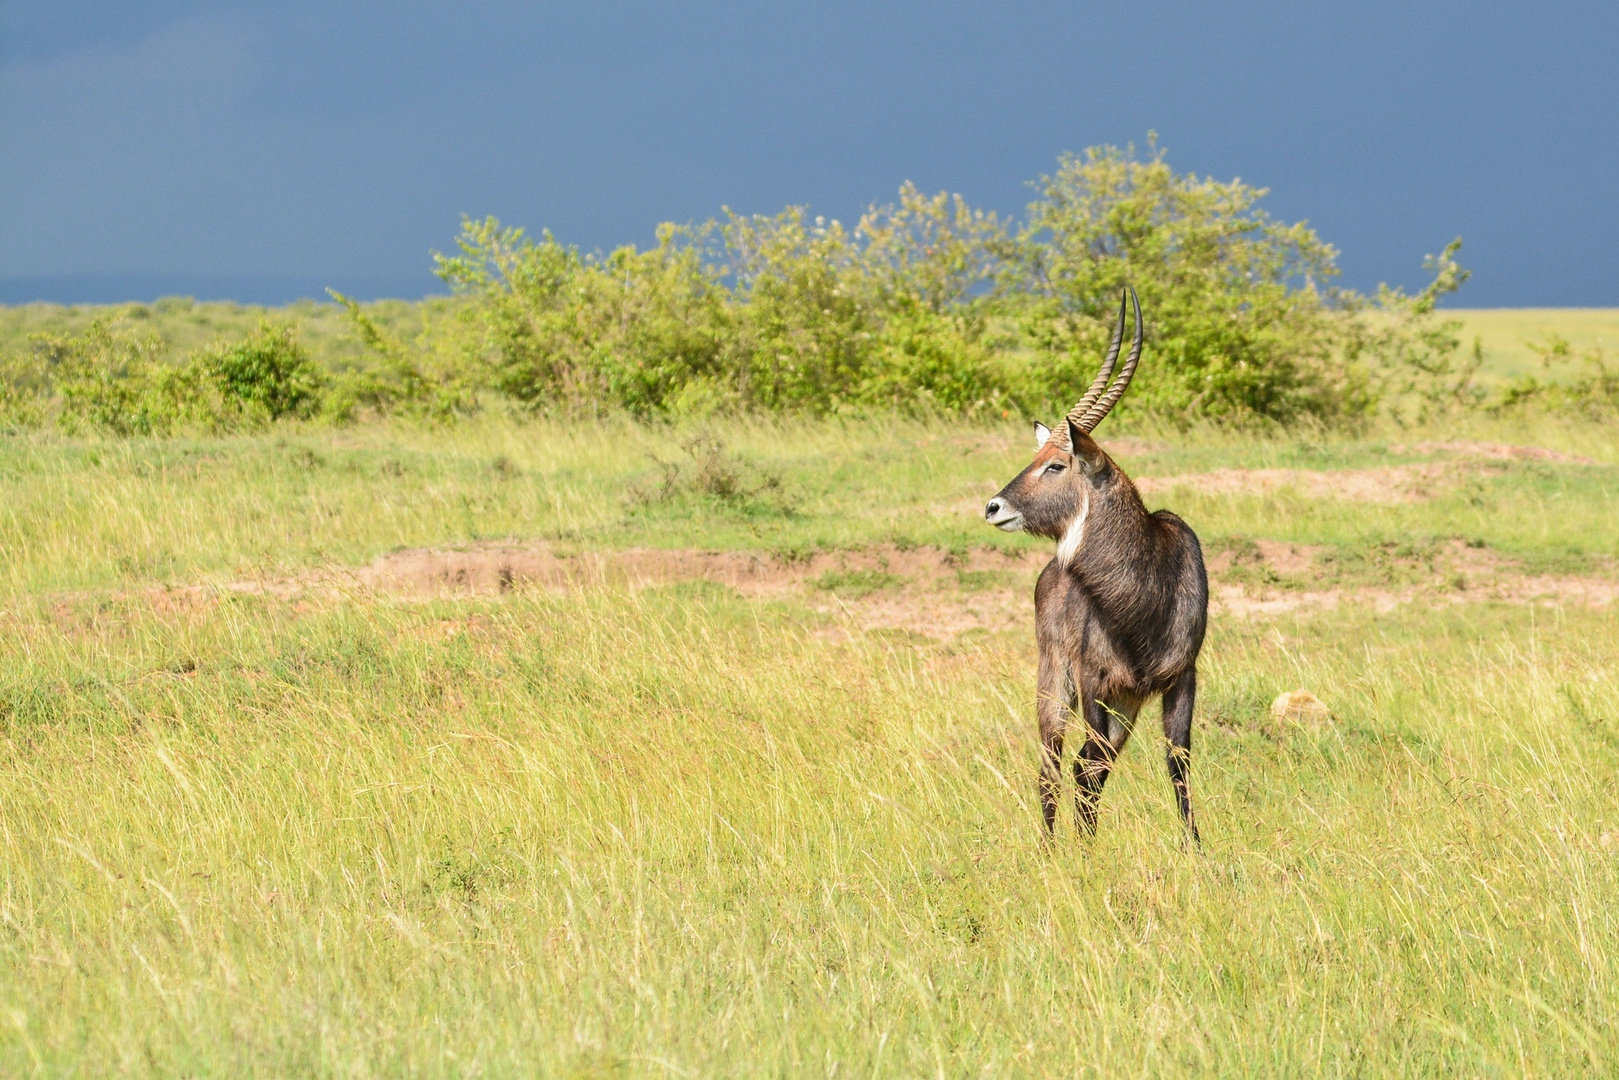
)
(1107, 727)
(1178, 700)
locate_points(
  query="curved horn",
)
(1077, 413)
(1114, 392)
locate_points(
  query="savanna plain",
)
(544, 748)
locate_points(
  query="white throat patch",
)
(1068, 546)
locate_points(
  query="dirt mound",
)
(934, 592)
(1493, 451)
(1387, 485)
(881, 587)
(915, 590)
(1276, 556)
(494, 568)
(1233, 599)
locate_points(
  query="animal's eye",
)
(1054, 467)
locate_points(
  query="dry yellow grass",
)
(683, 830)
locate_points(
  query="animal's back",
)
(1188, 612)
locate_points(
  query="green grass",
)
(679, 831)
(184, 324)
(857, 582)
(1506, 334)
(83, 515)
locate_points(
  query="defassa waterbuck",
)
(1120, 612)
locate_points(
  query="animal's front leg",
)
(1095, 758)
(1052, 707)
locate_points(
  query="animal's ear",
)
(1084, 449)
(1041, 434)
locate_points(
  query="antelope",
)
(1119, 612)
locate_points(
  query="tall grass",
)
(646, 834)
(678, 831)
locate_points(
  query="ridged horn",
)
(1103, 406)
(1100, 382)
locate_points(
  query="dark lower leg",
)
(1178, 702)
(1050, 782)
(1091, 766)
(1094, 762)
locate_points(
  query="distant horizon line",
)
(281, 290)
(258, 290)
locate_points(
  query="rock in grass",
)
(1300, 706)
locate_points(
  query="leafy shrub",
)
(804, 321)
(108, 379)
(1238, 322)
(1408, 350)
(626, 330)
(23, 393)
(774, 312)
(929, 261)
(438, 379)
(926, 305)
(930, 305)
(266, 375)
(114, 380)
(1589, 389)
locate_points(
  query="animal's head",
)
(1054, 495)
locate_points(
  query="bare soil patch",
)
(1387, 485)
(918, 590)
(1493, 451)
(1246, 600)
(501, 568)
(1267, 577)
(1275, 556)
(942, 594)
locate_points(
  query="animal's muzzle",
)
(1002, 516)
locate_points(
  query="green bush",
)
(266, 376)
(1238, 322)
(929, 261)
(438, 379)
(624, 330)
(1589, 389)
(117, 381)
(926, 305)
(108, 379)
(769, 312)
(930, 305)
(23, 393)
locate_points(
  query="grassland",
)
(184, 324)
(262, 816)
(1506, 334)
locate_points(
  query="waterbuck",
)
(1120, 612)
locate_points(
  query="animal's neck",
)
(1111, 547)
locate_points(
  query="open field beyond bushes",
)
(1505, 335)
(610, 749)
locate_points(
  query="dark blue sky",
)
(264, 151)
